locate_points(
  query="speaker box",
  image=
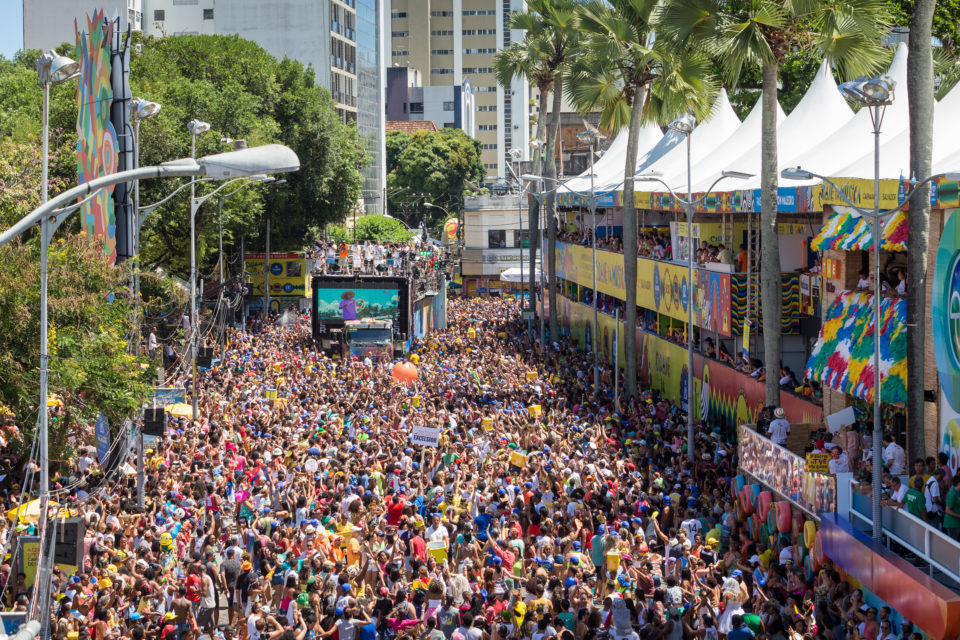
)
(68, 544)
(154, 421)
(205, 352)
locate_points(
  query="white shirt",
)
(931, 491)
(895, 458)
(152, 341)
(779, 430)
(840, 464)
(897, 496)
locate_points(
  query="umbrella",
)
(29, 512)
(180, 409)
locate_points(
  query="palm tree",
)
(760, 33)
(528, 59)
(552, 35)
(920, 96)
(631, 77)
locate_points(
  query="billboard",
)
(661, 286)
(357, 304)
(946, 336)
(289, 274)
(786, 474)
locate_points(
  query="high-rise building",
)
(49, 23)
(449, 41)
(447, 106)
(340, 39)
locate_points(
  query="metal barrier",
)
(933, 547)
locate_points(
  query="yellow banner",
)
(859, 191)
(289, 274)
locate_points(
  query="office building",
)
(450, 41)
(49, 23)
(446, 106)
(495, 237)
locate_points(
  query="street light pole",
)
(593, 244)
(196, 127)
(685, 125)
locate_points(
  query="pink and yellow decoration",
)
(97, 149)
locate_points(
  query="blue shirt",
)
(742, 632)
(481, 522)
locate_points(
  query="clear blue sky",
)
(11, 27)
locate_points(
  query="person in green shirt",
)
(752, 620)
(914, 500)
(951, 515)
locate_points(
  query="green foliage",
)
(435, 164)
(374, 228)
(946, 19)
(796, 74)
(90, 369)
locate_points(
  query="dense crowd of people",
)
(371, 258)
(546, 512)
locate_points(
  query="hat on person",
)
(246, 566)
(778, 412)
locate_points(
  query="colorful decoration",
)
(842, 359)
(849, 231)
(450, 227)
(96, 137)
(790, 302)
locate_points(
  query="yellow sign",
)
(30, 558)
(818, 463)
(518, 459)
(289, 274)
(859, 191)
(531, 376)
(487, 424)
(534, 410)
(270, 394)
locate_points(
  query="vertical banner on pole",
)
(102, 433)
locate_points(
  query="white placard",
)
(621, 616)
(835, 421)
(425, 436)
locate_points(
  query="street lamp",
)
(590, 138)
(876, 218)
(196, 128)
(516, 154)
(270, 158)
(685, 125)
(53, 69)
(142, 110)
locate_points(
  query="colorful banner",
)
(786, 474)
(722, 395)
(289, 274)
(661, 286)
(101, 430)
(846, 230)
(842, 359)
(97, 148)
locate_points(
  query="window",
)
(400, 34)
(478, 69)
(441, 52)
(442, 72)
(448, 125)
(488, 165)
(402, 52)
(496, 239)
(159, 15)
(486, 127)
(208, 14)
(520, 239)
(441, 14)
(481, 12)
(486, 90)
(416, 107)
(491, 107)
(448, 106)
(490, 146)
(398, 14)
(441, 32)
(470, 52)
(479, 32)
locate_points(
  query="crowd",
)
(547, 512)
(371, 258)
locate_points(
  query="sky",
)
(11, 27)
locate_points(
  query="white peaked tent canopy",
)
(895, 152)
(743, 138)
(609, 167)
(706, 139)
(520, 274)
(819, 115)
(833, 155)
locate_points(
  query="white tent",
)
(705, 140)
(833, 154)
(745, 137)
(820, 114)
(895, 152)
(520, 274)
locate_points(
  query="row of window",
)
(402, 52)
(441, 14)
(487, 127)
(476, 51)
(441, 33)
(400, 34)
(479, 32)
(441, 52)
(441, 71)
(486, 107)
(478, 69)
(481, 12)
(449, 52)
(490, 146)
(396, 15)
(159, 15)
(497, 239)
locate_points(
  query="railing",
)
(933, 547)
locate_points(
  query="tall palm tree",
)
(920, 96)
(631, 77)
(552, 35)
(741, 34)
(529, 59)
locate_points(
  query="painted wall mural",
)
(946, 336)
(97, 147)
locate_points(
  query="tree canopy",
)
(435, 164)
(373, 228)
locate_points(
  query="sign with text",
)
(818, 463)
(425, 436)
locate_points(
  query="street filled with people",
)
(298, 506)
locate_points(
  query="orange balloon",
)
(405, 372)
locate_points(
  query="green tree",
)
(373, 228)
(436, 164)
(920, 97)
(628, 73)
(946, 19)
(759, 34)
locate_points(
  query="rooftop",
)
(409, 126)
